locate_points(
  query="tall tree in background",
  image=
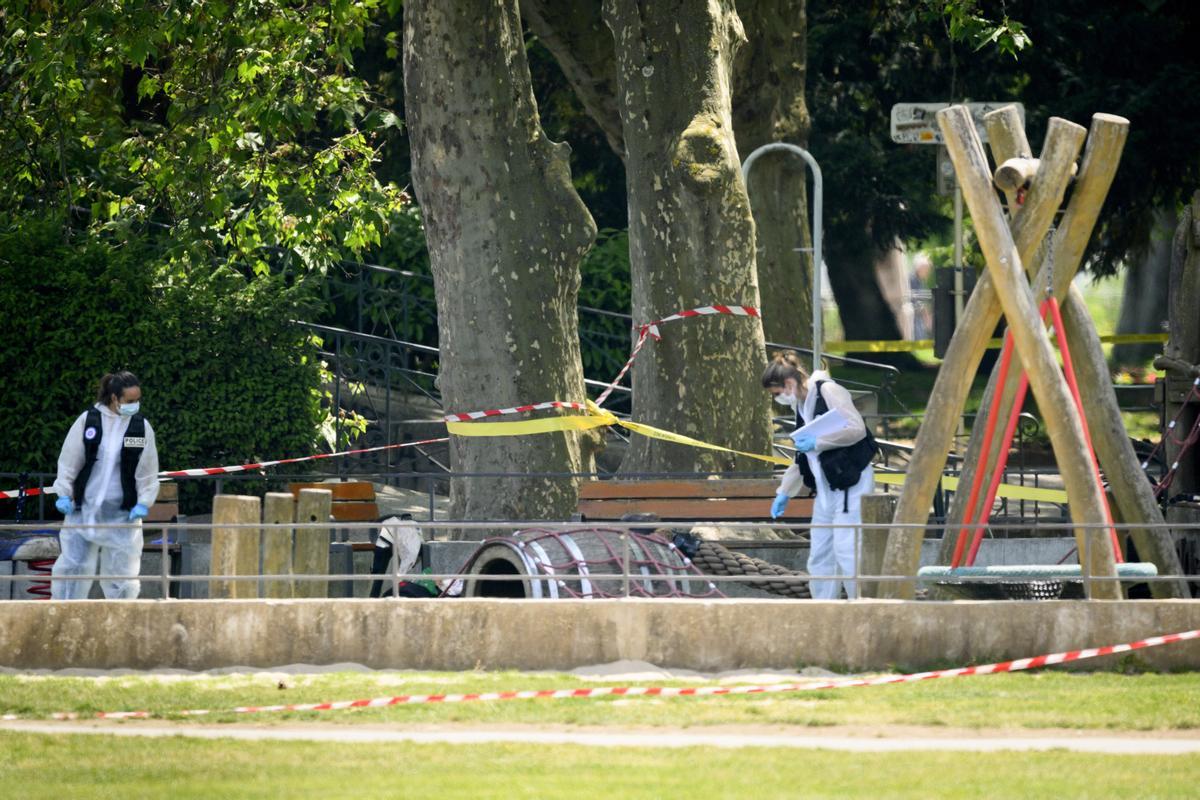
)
(769, 106)
(506, 231)
(691, 235)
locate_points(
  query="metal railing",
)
(168, 580)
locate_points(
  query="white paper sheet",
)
(828, 423)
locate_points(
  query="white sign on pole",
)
(914, 123)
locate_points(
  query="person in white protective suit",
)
(107, 475)
(834, 462)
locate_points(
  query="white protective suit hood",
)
(107, 467)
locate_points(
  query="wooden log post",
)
(1010, 145)
(1014, 173)
(235, 547)
(877, 512)
(1064, 423)
(948, 397)
(311, 556)
(279, 508)
(1132, 493)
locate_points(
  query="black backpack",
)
(843, 466)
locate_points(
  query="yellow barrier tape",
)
(599, 418)
(1009, 490)
(1133, 338)
(573, 422)
(596, 418)
(899, 346)
(656, 433)
(879, 346)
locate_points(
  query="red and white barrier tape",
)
(191, 473)
(671, 691)
(496, 412)
(650, 329)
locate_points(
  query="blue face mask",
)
(129, 409)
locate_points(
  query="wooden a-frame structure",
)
(1013, 247)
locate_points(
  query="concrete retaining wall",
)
(558, 635)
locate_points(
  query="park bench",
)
(734, 499)
(166, 506)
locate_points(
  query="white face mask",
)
(786, 399)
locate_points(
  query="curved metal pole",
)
(818, 189)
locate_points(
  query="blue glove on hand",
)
(781, 501)
(64, 505)
(138, 512)
(804, 441)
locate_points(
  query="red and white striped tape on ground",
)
(203, 471)
(669, 691)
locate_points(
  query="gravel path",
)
(878, 740)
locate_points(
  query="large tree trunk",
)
(690, 232)
(1144, 301)
(768, 106)
(506, 232)
(864, 311)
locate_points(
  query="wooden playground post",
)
(312, 541)
(279, 508)
(235, 549)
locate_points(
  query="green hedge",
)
(225, 377)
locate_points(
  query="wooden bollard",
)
(279, 508)
(311, 555)
(877, 513)
(235, 549)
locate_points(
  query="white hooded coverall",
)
(836, 516)
(118, 550)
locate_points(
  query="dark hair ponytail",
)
(784, 364)
(114, 384)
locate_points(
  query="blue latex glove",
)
(64, 505)
(138, 512)
(804, 441)
(781, 501)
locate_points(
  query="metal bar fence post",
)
(625, 562)
(166, 566)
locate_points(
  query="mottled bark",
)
(768, 106)
(506, 232)
(690, 231)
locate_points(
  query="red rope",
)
(979, 521)
(988, 434)
(1060, 334)
(1001, 463)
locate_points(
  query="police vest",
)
(843, 466)
(131, 453)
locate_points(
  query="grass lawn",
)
(84, 767)
(1048, 699)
